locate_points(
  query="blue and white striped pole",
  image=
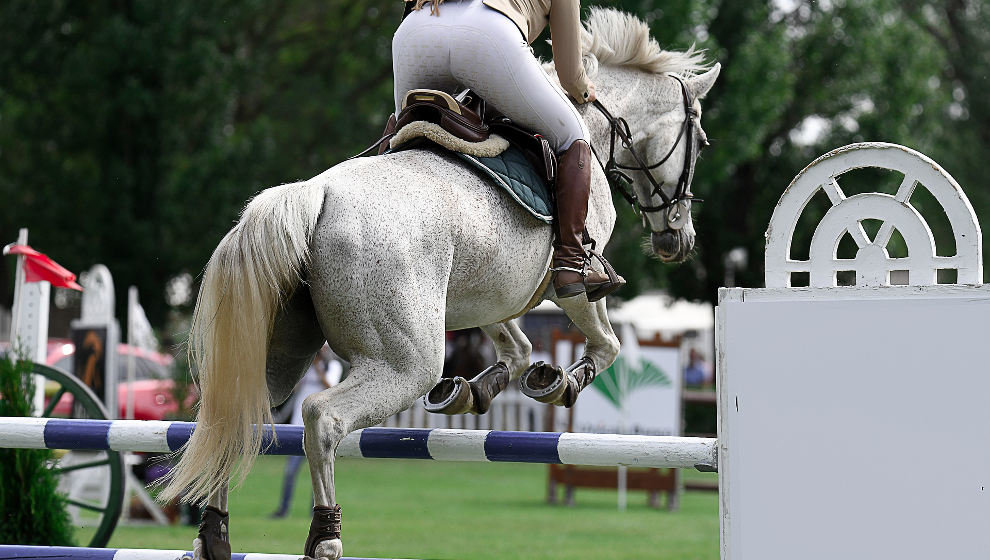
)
(438, 444)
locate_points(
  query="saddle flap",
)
(536, 148)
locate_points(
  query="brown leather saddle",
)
(467, 117)
(463, 116)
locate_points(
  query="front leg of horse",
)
(457, 395)
(551, 384)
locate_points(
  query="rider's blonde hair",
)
(434, 9)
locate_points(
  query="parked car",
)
(153, 384)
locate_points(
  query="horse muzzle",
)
(672, 246)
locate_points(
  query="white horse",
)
(379, 256)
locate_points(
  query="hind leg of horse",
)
(457, 395)
(393, 362)
(296, 337)
(550, 384)
(212, 541)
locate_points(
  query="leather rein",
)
(619, 181)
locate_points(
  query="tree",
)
(799, 82)
(133, 133)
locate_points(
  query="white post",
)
(132, 302)
(622, 488)
(98, 312)
(29, 322)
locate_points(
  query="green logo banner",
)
(624, 377)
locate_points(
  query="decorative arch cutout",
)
(872, 263)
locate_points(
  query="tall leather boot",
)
(387, 134)
(573, 274)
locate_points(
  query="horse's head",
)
(668, 148)
(655, 133)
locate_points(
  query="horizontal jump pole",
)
(386, 443)
(11, 551)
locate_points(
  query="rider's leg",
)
(571, 265)
(420, 57)
(419, 61)
(489, 55)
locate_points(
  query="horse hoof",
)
(450, 396)
(331, 549)
(543, 382)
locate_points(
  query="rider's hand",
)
(591, 93)
(589, 99)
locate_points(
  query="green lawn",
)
(427, 509)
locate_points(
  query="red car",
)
(153, 385)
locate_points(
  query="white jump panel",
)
(872, 264)
(854, 423)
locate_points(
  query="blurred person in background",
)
(697, 374)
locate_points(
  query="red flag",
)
(38, 267)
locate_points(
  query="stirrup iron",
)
(614, 280)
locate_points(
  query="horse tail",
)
(252, 272)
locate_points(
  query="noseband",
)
(619, 181)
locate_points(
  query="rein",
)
(619, 181)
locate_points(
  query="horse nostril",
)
(665, 243)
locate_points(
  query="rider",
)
(484, 45)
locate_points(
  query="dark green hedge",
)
(31, 509)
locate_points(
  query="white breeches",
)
(471, 45)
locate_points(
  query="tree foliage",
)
(849, 71)
(132, 132)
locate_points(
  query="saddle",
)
(463, 116)
(464, 124)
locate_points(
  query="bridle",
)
(676, 206)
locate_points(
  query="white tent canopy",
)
(657, 312)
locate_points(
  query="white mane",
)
(621, 39)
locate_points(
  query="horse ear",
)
(700, 84)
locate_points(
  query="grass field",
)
(426, 509)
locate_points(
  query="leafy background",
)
(132, 131)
